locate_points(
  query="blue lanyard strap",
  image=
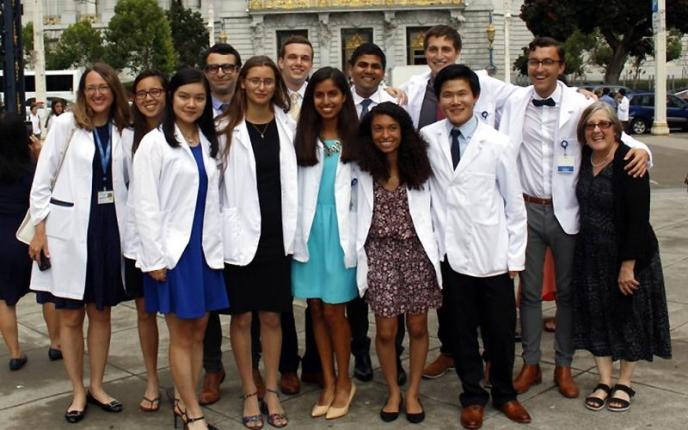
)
(106, 153)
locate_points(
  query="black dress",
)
(606, 322)
(15, 267)
(265, 283)
(104, 286)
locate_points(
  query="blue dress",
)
(324, 276)
(192, 288)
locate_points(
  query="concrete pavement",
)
(36, 396)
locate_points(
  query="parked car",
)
(642, 112)
(683, 94)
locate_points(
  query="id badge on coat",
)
(565, 164)
(106, 197)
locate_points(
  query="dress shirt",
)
(219, 107)
(379, 96)
(467, 129)
(428, 110)
(536, 159)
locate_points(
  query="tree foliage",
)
(189, 34)
(625, 26)
(139, 37)
(80, 45)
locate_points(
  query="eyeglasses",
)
(257, 82)
(103, 89)
(547, 62)
(153, 92)
(603, 125)
(226, 68)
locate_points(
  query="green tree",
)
(139, 37)
(79, 46)
(189, 34)
(624, 25)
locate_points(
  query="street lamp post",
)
(491, 31)
(660, 125)
(507, 35)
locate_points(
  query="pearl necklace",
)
(606, 160)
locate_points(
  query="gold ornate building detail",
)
(271, 5)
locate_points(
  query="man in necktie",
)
(366, 69)
(221, 64)
(480, 221)
(295, 61)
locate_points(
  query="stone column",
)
(660, 125)
(324, 38)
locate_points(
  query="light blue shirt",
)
(467, 130)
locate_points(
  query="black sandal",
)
(595, 403)
(624, 404)
(253, 422)
(193, 420)
(277, 419)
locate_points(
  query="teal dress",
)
(324, 276)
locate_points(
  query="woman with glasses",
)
(324, 272)
(147, 111)
(259, 221)
(80, 227)
(176, 204)
(620, 309)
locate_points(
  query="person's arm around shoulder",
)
(509, 185)
(148, 213)
(639, 158)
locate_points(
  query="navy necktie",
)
(364, 107)
(545, 102)
(455, 149)
(224, 107)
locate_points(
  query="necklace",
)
(606, 160)
(333, 149)
(261, 132)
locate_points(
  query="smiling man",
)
(295, 61)
(480, 223)
(221, 67)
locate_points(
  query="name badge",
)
(106, 197)
(565, 164)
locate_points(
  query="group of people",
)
(236, 188)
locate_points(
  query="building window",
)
(414, 43)
(352, 38)
(283, 35)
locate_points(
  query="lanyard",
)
(564, 144)
(106, 153)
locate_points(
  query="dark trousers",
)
(289, 356)
(487, 304)
(444, 330)
(212, 344)
(357, 314)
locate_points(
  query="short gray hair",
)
(589, 111)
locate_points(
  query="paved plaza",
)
(36, 396)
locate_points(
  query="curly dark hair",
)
(412, 159)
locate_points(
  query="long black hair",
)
(138, 119)
(310, 123)
(15, 152)
(186, 76)
(412, 159)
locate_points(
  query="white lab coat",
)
(344, 193)
(493, 96)
(241, 216)
(573, 103)
(67, 207)
(478, 209)
(419, 202)
(164, 201)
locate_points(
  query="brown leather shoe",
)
(260, 384)
(530, 375)
(289, 383)
(564, 380)
(472, 417)
(210, 393)
(439, 367)
(515, 412)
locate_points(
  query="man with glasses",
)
(541, 122)
(221, 64)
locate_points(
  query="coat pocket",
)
(60, 221)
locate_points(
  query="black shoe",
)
(401, 373)
(74, 417)
(391, 416)
(18, 363)
(363, 368)
(54, 354)
(113, 406)
(416, 418)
